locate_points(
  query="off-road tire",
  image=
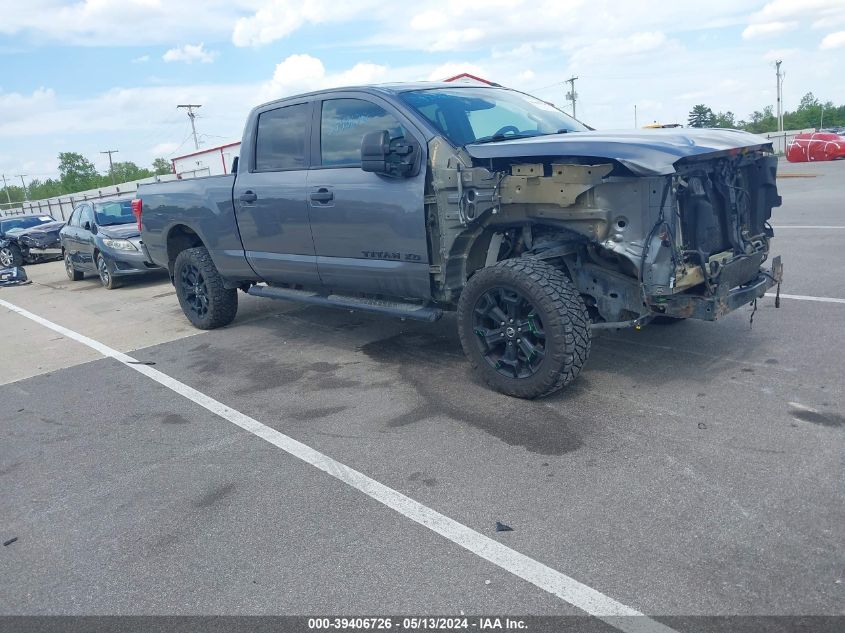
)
(107, 278)
(561, 310)
(222, 304)
(11, 255)
(70, 271)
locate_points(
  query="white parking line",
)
(575, 593)
(807, 298)
(799, 226)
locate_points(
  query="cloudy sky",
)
(92, 75)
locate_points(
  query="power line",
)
(572, 95)
(111, 164)
(192, 115)
(23, 185)
(6, 188)
(779, 94)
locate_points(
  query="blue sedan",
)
(103, 238)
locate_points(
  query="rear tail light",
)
(137, 208)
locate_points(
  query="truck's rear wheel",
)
(199, 287)
(524, 327)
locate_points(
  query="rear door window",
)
(343, 124)
(281, 138)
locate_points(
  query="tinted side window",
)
(87, 215)
(343, 124)
(280, 142)
(73, 220)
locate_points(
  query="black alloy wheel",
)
(509, 333)
(524, 327)
(202, 292)
(194, 290)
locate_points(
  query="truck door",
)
(369, 230)
(269, 196)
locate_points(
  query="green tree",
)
(38, 190)
(15, 194)
(762, 121)
(161, 167)
(701, 116)
(725, 119)
(77, 173)
(128, 171)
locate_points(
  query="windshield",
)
(473, 115)
(114, 212)
(24, 223)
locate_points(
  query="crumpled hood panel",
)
(47, 227)
(645, 153)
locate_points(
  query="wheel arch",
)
(180, 237)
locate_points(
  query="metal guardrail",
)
(60, 207)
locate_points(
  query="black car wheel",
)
(72, 273)
(10, 256)
(524, 327)
(105, 269)
(201, 292)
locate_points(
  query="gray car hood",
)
(122, 231)
(644, 152)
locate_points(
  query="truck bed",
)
(206, 205)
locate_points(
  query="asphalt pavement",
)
(692, 469)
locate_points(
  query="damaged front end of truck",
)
(664, 223)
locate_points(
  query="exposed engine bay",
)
(686, 244)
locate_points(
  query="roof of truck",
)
(391, 88)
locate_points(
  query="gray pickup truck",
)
(414, 199)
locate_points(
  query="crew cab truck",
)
(414, 199)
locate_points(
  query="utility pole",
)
(111, 164)
(635, 116)
(6, 188)
(23, 185)
(192, 115)
(572, 95)
(779, 95)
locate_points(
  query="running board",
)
(377, 306)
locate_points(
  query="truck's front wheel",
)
(524, 327)
(202, 295)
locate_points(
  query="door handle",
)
(248, 196)
(322, 195)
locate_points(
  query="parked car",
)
(103, 238)
(815, 146)
(414, 199)
(29, 239)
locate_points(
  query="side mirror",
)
(375, 147)
(235, 162)
(379, 155)
(87, 226)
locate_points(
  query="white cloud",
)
(141, 60)
(164, 149)
(779, 53)
(190, 53)
(765, 29)
(779, 9)
(623, 47)
(833, 40)
(302, 73)
(276, 19)
(121, 22)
